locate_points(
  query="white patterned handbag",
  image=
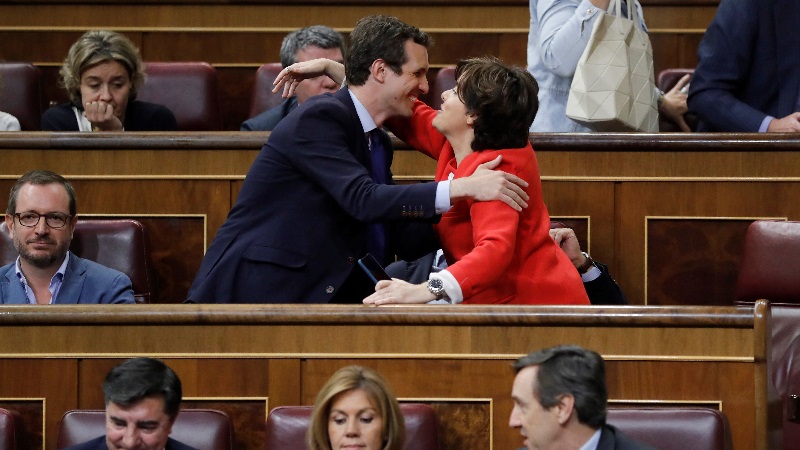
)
(613, 87)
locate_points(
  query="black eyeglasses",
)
(53, 220)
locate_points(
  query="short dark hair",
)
(41, 178)
(379, 37)
(315, 35)
(572, 370)
(504, 99)
(138, 378)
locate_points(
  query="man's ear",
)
(73, 224)
(10, 225)
(378, 70)
(171, 423)
(566, 406)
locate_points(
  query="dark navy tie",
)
(376, 232)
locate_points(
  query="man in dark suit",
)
(560, 400)
(316, 41)
(41, 217)
(748, 75)
(600, 286)
(319, 194)
(143, 398)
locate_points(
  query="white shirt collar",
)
(366, 120)
(55, 282)
(591, 444)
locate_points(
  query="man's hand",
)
(566, 239)
(487, 184)
(788, 124)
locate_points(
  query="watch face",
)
(435, 285)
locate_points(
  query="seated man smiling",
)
(143, 397)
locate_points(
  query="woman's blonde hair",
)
(347, 379)
(94, 47)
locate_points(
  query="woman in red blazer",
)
(495, 254)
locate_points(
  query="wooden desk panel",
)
(456, 358)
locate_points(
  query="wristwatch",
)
(586, 264)
(436, 287)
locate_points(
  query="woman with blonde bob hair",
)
(356, 408)
(102, 75)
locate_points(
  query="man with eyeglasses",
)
(41, 217)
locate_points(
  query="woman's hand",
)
(396, 292)
(101, 115)
(291, 76)
(674, 104)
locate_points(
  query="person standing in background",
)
(558, 35)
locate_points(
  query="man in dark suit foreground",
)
(41, 217)
(560, 399)
(143, 397)
(320, 195)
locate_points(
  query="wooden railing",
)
(247, 359)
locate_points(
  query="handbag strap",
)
(616, 6)
(633, 12)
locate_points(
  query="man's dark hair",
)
(504, 99)
(315, 35)
(137, 378)
(41, 178)
(379, 37)
(570, 370)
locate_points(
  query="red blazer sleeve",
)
(418, 131)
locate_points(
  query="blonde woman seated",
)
(356, 409)
(494, 253)
(102, 75)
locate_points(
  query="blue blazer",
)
(267, 120)
(749, 65)
(299, 223)
(100, 444)
(85, 282)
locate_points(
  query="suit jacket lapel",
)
(786, 16)
(607, 441)
(361, 149)
(12, 291)
(72, 285)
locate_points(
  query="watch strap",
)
(583, 268)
